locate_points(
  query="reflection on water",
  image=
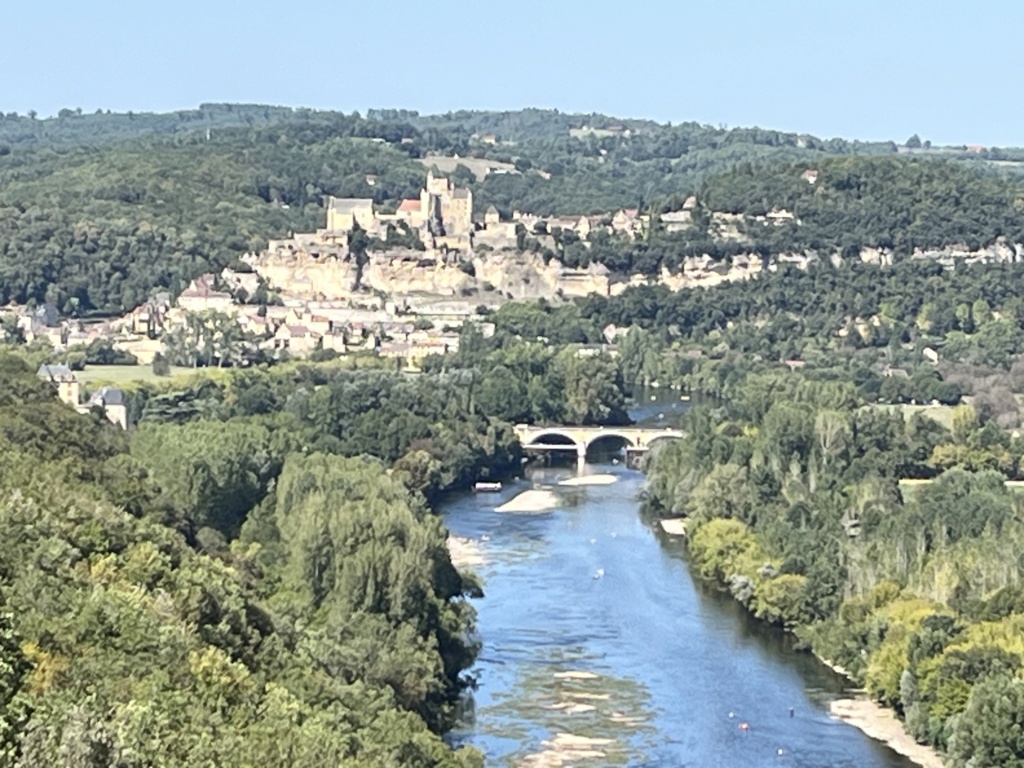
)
(599, 645)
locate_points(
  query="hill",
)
(98, 211)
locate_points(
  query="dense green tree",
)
(990, 734)
(215, 472)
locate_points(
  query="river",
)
(592, 625)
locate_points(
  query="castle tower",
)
(437, 186)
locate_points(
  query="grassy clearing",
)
(911, 486)
(943, 414)
(124, 374)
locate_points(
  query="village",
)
(314, 292)
(398, 284)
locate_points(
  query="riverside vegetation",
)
(253, 574)
(270, 526)
(142, 623)
(888, 542)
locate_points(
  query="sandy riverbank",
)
(465, 553)
(590, 480)
(531, 501)
(881, 724)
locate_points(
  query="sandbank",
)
(590, 480)
(567, 748)
(531, 501)
(881, 724)
(573, 707)
(465, 553)
(576, 675)
(675, 526)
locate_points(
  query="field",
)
(910, 486)
(943, 414)
(123, 374)
(480, 167)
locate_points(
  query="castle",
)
(442, 215)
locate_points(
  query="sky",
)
(951, 72)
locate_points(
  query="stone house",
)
(297, 339)
(676, 221)
(627, 221)
(318, 324)
(412, 213)
(64, 381)
(343, 213)
(112, 402)
(201, 296)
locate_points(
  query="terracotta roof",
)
(410, 205)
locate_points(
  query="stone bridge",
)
(579, 439)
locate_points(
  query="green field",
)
(910, 486)
(124, 374)
(943, 414)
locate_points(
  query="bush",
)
(161, 366)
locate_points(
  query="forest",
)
(253, 575)
(873, 537)
(139, 626)
(99, 211)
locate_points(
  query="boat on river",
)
(483, 487)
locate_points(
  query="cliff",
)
(501, 275)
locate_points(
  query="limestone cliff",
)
(524, 276)
(403, 272)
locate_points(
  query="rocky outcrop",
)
(528, 276)
(402, 272)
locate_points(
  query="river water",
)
(592, 625)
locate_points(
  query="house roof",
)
(491, 209)
(349, 204)
(204, 293)
(410, 205)
(202, 287)
(461, 194)
(55, 372)
(107, 396)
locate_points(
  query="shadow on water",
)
(593, 626)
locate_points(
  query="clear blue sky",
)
(869, 69)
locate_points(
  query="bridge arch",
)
(555, 438)
(666, 436)
(605, 434)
